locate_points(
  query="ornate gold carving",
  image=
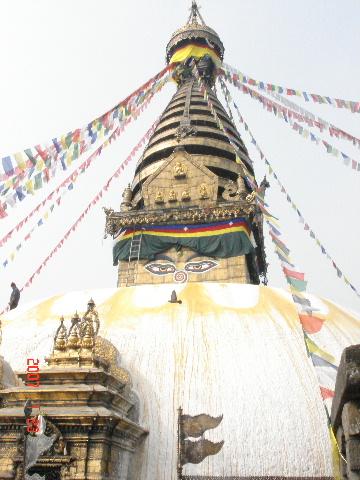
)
(231, 191)
(115, 221)
(91, 316)
(59, 445)
(60, 336)
(241, 185)
(88, 338)
(251, 197)
(203, 192)
(106, 350)
(184, 131)
(172, 196)
(185, 196)
(126, 202)
(73, 340)
(159, 198)
(180, 171)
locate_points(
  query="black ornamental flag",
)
(197, 425)
(195, 452)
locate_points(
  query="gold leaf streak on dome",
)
(198, 300)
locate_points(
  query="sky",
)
(65, 63)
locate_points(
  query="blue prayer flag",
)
(7, 165)
(19, 194)
(56, 145)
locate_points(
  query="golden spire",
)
(194, 14)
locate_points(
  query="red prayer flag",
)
(41, 152)
(3, 214)
(310, 323)
(294, 274)
(326, 393)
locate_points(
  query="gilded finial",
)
(60, 336)
(91, 304)
(88, 338)
(264, 184)
(195, 13)
(73, 340)
(126, 199)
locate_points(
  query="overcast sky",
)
(63, 63)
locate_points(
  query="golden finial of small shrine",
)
(88, 339)
(73, 340)
(60, 337)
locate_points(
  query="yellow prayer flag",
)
(68, 157)
(40, 165)
(20, 160)
(63, 142)
(314, 348)
(29, 186)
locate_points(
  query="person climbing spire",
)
(14, 297)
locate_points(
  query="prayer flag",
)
(299, 285)
(314, 348)
(310, 323)
(38, 181)
(301, 300)
(20, 160)
(326, 393)
(294, 274)
(7, 165)
(30, 156)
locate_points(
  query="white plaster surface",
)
(228, 349)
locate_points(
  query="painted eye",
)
(200, 267)
(160, 268)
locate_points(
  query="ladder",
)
(133, 262)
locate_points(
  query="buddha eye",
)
(160, 268)
(200, 267)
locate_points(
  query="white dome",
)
(228, 349)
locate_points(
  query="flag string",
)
(70, 178)
(64, 185)
(319, 358)
(44, 160)
(287, 116)
(272, 172)
(235, 74)
(92, 203)
(303, 115)
(70, 187)
(311, 324)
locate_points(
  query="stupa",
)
(190, 324)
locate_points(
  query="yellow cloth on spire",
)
(195, 51)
